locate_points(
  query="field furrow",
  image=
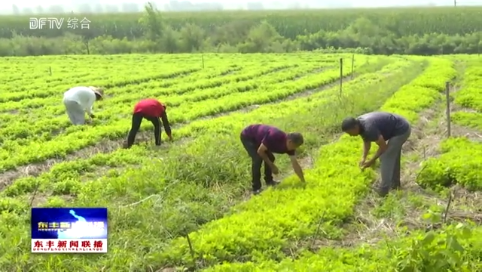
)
(55, 183)
(48, 88)
(395, 251)
(158, 81)
(192, 129)
(318, 209)
(55, 142)
(459, 162)
(199, 184)
(105, 147)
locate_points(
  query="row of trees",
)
(158, 36)
(262, 38)
(290, 23)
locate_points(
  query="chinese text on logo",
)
(74, 23)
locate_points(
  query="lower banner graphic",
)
(69, 246)
(69, 230)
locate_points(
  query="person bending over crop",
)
(380, 127)
(152, 110)
(78, 100)
(261, 141)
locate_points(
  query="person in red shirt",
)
(261, 141)
(152, 110)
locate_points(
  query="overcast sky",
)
(6, 5)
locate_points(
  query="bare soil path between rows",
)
(378, 218)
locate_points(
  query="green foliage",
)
(460, 159)
(426, 89)
(152, 22)
(470, 96)
(468, 119)
(261, 228)
(169, 192)
(190, 187)
(459, 163)
(402, 21)
(196, 95)
(453, 248)
(375, 31)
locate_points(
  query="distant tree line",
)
(172, 5)
(131, 7)
(384, 31)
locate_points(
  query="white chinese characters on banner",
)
(85, 23)
(69, 245)
(73, 23)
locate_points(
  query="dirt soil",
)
(36, 169)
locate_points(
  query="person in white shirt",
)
(81, 99)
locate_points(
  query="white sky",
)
(6, 5)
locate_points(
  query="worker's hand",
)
(361, 163)
(366, 164)
(275, 170)
(170, 137)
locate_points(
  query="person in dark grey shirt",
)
(380, 127)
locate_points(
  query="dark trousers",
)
(136, 124)
(256, 162)
(390, 162)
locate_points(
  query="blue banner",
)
(69, 223)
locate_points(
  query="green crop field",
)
(386, 31)
(186, 205)
(400, 21)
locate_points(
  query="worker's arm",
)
(90, 112)
(297, 168)
(89, 105)
(382, 147)
(366, 149)
(165, 123)
(262, 153)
